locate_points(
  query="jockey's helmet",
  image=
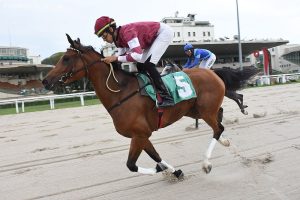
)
(188, 46)
(102, 24)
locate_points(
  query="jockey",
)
(198, 57)
(141, 42)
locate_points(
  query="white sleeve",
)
(122, 51)
(122, 59)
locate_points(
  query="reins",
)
(111, 71)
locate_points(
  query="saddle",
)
(178, 84)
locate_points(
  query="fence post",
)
(23, 107)
(82, 100)
(283, 79)
(52, 103)
(17, 106)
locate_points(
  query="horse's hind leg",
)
(225, 142)
(238, 98)
(214, 122)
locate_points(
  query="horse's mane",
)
(116, 65)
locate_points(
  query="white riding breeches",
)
(160, 44)
(208, 63)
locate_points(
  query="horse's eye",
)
(66, 60)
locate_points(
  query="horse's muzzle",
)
(46, 84)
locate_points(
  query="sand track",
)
(76, 154)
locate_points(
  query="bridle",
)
(85, 67)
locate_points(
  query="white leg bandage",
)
(148, 171)
(171, 168)
(210, 148)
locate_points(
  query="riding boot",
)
(166, 98)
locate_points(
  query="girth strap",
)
(160, 114)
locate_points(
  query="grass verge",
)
(33, 107)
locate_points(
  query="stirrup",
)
(165, 103)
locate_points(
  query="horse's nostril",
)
(45, 82)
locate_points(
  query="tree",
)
(52, 60)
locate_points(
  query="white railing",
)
(50, 98)
(280, 78)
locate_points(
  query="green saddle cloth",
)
(179, 85)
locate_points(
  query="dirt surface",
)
(76, 154)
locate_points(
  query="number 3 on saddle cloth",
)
(178, 84)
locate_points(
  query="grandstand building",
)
(187, 29)
(13, 55)
(19, 71)
(286, 58)
(201, 35)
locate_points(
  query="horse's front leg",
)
(218, 129)
(161, 164)
(136, 147)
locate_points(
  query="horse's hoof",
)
(207, 167)
(179, 174)
(224, 142)
(244, 112)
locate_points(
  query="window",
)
(189, 34)
(178, 34)
(203, 34)
(194, 34)
(4, 51)
(208, 33)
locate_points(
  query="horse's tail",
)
(236, 79)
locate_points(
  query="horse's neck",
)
(98, 76)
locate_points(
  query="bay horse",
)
(226, 74)
(135, 116)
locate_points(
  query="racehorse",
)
(135, 116)
(226, 74)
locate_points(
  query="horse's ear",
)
(77, 44)
(70, 40)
